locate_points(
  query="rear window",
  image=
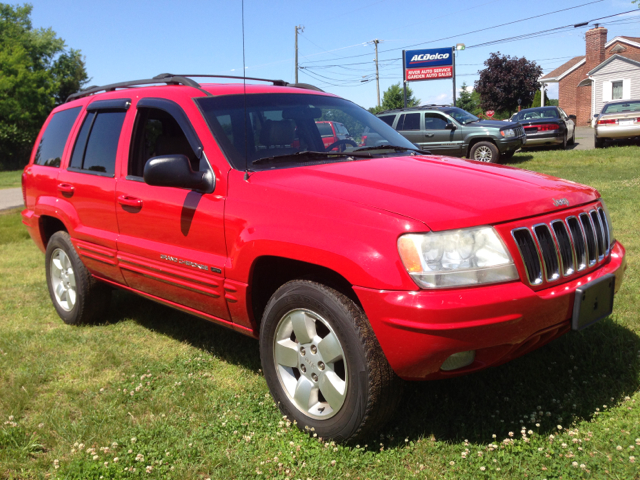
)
(325, 129)
(51, 146)
(409, 121)
(97, 144)
(622, 107)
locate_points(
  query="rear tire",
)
(76, 295)
(485, 152)
(323, 364)
(599, 143)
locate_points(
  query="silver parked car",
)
(619, 120)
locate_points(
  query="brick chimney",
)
(595, 39)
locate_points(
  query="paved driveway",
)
(10, 198)
(584, 138)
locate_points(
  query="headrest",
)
(277, 132)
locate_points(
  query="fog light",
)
(458, 360)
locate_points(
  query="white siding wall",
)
(615, 71)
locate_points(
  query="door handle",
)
(66, 188)
(429, 135)
(129, 201)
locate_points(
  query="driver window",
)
(158, 133)
(434, 121)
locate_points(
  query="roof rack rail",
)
(163, 78)
(172, 79)
(279, 83)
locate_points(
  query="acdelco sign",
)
(425, 57)
(431, 64)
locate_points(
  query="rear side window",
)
(97, 143)
(325, 129)
(53, 140)
(409, 121)
(388, 119)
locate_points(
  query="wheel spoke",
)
(330, 349)
(72, 281)
(303, 326)
(71, 297)
(303, 394)
(60, 291)
(57, 263)
(286, 352)
(333, 389)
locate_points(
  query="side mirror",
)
(175, 171)
(572, 117)
(450, 126)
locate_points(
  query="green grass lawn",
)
(154, 393)
(10, 179)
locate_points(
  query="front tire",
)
(572, 141)
(76, 295)
(323, 364)
(485, 152)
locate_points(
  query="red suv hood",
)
(443, 192)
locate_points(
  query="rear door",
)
(171, 242)
(409, 127)
(89, 185)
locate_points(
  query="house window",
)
(616, 90)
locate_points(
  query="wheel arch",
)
(268, 273)
(48, 225)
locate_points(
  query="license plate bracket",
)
(593, 302)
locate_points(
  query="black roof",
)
(420, 107)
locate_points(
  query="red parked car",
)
(354, 269)
(332, 132)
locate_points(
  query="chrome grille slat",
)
(561, 248)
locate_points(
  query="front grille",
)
(519, 131)
(562, 248)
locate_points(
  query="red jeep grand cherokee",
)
(354, 269)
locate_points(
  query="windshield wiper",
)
(392, 147)
(309, 153)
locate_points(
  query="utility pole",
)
(376, 42)
(299, 28)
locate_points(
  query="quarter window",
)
(97, 143)
(52, 142)
(616, 90)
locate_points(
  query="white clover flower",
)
(559, 427)
(619, 448)
(452, 463)
(96, 457)
(575, 464)
(482, 469)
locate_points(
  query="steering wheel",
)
(342, 144)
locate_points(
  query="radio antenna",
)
(244, 88)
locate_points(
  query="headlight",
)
(508, 133)
(456, 258)
(609, 223)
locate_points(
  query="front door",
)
(171, 242)
(440, 140)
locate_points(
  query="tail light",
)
(364, 141)
(607, 122)
(545, 127)
(24, 187)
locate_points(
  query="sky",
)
(135, 39)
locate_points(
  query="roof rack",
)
(171, 79)
(417, 107)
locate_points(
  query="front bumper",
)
(419, 330)
(512, 144)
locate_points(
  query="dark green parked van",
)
(445, 130)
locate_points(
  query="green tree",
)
(36, 73)
(469, 100)
(505, 80)
(536, 99)
(393, 97)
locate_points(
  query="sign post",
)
(404, 78)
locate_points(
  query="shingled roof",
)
(564, 67)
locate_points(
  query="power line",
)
(476, 31)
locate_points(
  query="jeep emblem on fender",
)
(560, 201)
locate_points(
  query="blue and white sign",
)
(429, 64)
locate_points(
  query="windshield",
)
(622, 107)
(283, 124)
(535, 114)
(461, 116)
